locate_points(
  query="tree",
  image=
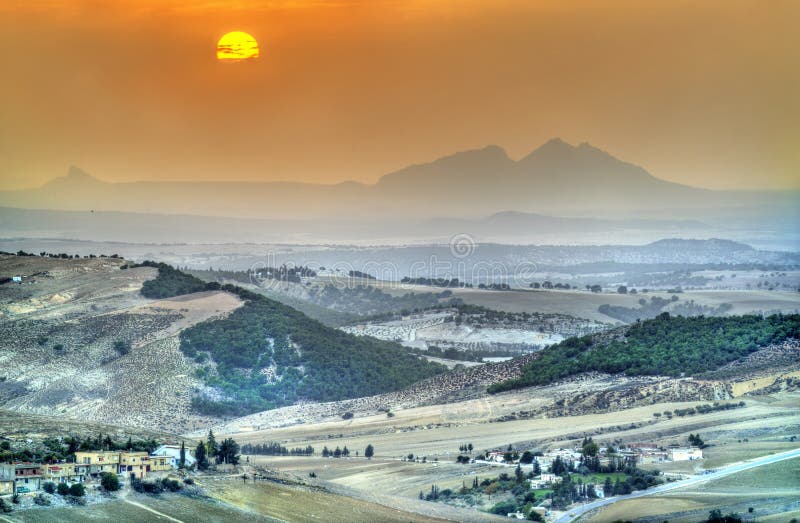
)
(228, 452)
(77, 490)
(535, 516)
(694, 439)
(369, 451)
(211, 445)
(200, 456)
(62, 489)
(49, 487)
(608, 488)
(182, 459)
(590, 449)
(622, 289)
(109, 482)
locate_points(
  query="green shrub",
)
(62, 489)
(123, 347)
(109, 482)
(77, 490)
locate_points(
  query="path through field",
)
(124, 497)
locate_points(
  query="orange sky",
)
(705, 93)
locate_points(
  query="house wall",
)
(6, 487)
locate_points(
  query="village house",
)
(90, 464)
(173, 454)
(62, 473)
(496, 456)
(160, 463)
(645, 452)
(134, 464)
(545, 480)
(685, 454)
(27, 477)
(546, 460)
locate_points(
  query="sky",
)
(702, 93)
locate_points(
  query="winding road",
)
(574, 514)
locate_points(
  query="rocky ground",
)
(77, 339)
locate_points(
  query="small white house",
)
(174, 452)
(16, 279)
(516, 515)
(550, 478)
(685, 454)
(497, 457)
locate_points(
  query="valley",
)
(84, 343)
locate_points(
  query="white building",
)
(685, 454)
(545, 480)
(174, 452)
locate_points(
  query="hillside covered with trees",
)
(667, 345)
(266, 355)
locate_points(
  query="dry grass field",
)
(179, 508)
(584, 304)
(306, 504)
(439, 429)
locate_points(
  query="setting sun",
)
(237, 45)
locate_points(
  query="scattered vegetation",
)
(156, 486)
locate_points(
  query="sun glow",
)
(236, 46)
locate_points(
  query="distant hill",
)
(265, 354)
(664, 346)
(556, 178)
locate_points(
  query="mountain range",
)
(556, 178)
